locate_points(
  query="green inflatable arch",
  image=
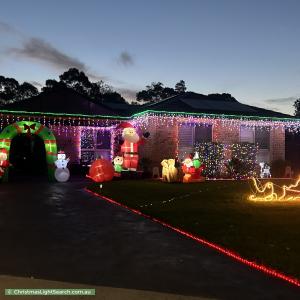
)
(36, 128)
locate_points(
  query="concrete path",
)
(59, 232)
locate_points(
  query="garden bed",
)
(219, 211)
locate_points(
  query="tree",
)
(180, 87)
(99, 90)
(297, 107)
(224, 96)
(11, 90)
(27, 90)
(52, 84)
(155, 92)
(8, 89)
(77, 80)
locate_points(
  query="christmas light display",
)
(169, 171)
(231, 122)
(265, 170)
(243, 162)
(148, 117)
(118, 162)
(266, 191)
(129, 148)
(192, 173)
(4, 163)
(79, 125)
(267, 270)
(101, 170)
(28, 128)
(212, 155)
(62, 173)
(238, 158)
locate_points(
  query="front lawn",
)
(266, 232)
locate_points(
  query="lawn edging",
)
(267, 270)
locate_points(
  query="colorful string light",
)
(266, 192)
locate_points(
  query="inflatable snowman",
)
(62, 173)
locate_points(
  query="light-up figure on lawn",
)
(192, 169)
(62, 173)
(118, 162)
(129, 147)
(265, 170)
(4, 163)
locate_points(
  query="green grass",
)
(219, 211)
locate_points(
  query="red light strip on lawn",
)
(202, 241)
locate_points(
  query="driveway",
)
(60, 232)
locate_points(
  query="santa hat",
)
(3, 150)
(61, 152)
(124, 125)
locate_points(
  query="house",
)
(86, 130)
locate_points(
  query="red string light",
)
(202, 241)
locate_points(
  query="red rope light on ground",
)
(202, 241)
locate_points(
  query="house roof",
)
(190, 102)
(61, 100)
(124, 109)
(67, 101)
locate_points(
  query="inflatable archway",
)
(29, 128)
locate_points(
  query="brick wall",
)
(225, 134)
(161, 144)
(277, 144)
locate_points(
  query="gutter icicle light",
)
(148, 117)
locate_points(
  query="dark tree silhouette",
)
(78, 81)
(51, 84)
(297, 107)
(155, 92)
(224, 96)
(11, 90)
(27, 90)
(180, 87)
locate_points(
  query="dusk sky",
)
(250, 49)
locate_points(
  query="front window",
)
(95, 144)
(189, 135)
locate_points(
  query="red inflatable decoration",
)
(101, 170)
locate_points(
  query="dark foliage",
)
(297, 107)
(157, 91)
(224, 96)
(12, 91)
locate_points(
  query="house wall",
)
(163, 141)
(224, 134)
(277, 144)
(162, 144)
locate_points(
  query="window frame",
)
(96, 151)
(254, 136)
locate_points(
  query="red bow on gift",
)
(28, 128)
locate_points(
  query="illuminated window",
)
(262, 137)
(189, 135)
(259, 136)
(247, 134)
(95, 144)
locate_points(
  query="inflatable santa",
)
(4, 163)
(129, 147)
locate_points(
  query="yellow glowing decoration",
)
(169, 171)
(266, 192)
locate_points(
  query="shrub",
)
(211, 154)
(278, 167)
